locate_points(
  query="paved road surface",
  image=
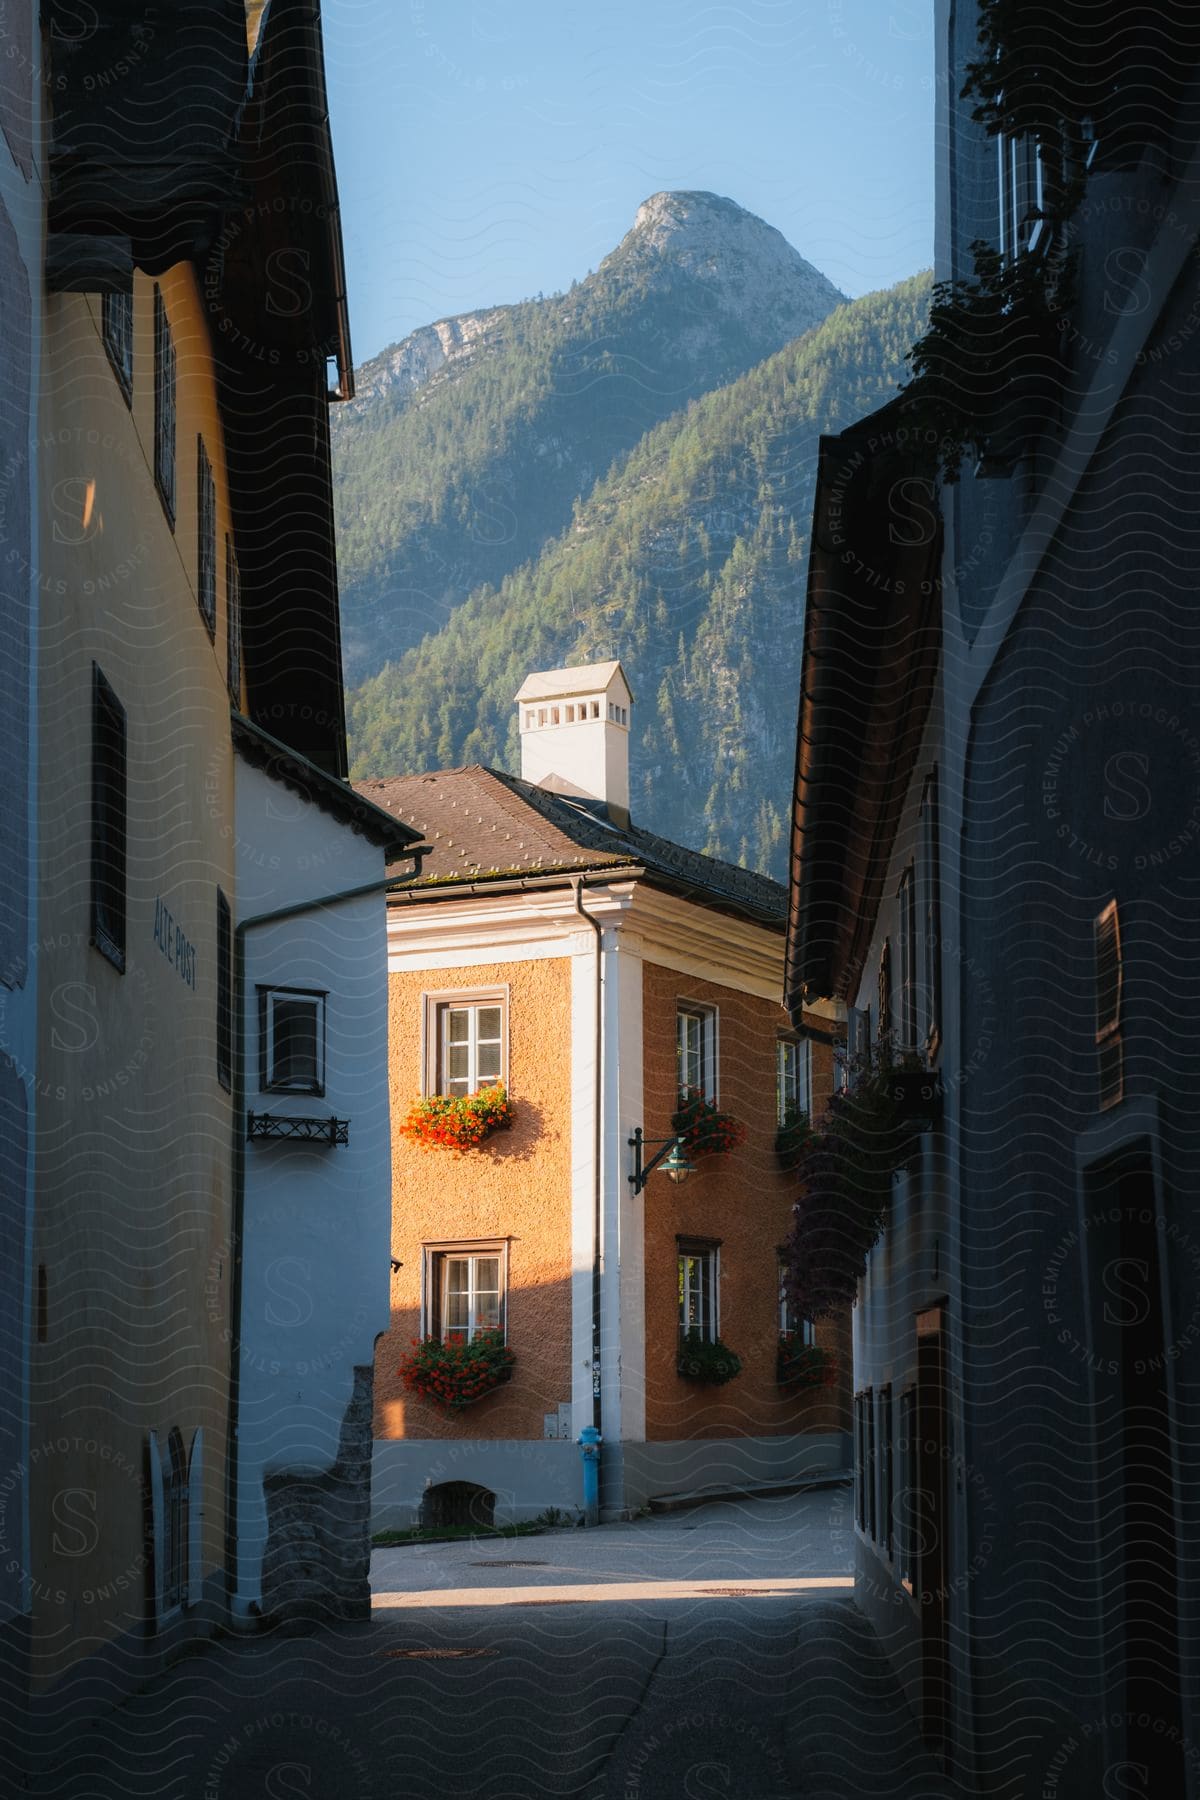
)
(710, 1655)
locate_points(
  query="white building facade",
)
(312, 1167)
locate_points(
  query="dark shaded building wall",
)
(1080, 1229)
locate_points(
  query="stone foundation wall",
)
(318, 1556)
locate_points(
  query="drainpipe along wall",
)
(597, 1099)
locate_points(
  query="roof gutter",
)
(679, 885)
(344, 357)
(516, 884)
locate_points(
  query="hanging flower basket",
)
(705, 1359)
(705, 1129)
(458, 1121)
(801, 1365)
(845, 1178)
(987, 372)
(453, 1372)
(793, 1138)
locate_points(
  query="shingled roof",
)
(486, 825)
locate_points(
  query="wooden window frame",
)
(267, 999)
(433, 1257)
(224, 993)
(436, 1006)
(206, 540)
(1106, 929)
(708, 1251)
(233, 622)
(116, 333)
(165, 405)
(707, 1017)
(110, 822)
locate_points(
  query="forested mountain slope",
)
(687, 560)
(468, 443)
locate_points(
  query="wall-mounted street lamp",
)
(671, 1158)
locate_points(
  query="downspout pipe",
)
(238, 1209)
(597, 1102)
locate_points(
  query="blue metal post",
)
(589, 1449)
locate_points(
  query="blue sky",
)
(489, 150)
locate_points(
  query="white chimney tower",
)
(574, 726)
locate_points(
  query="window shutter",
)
(157, 1516)
(885, 991)
(195, 1520)
(224, 992)
(1109, 983)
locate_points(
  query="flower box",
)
(801, 1365)
(453, 1372)
(458, 1121)
(706, 1359)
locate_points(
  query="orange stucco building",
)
(596, 970)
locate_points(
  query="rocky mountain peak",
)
(711, 238)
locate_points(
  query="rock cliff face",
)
(751, 271)
(398, 372)
(471, 442)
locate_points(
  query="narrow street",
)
(713, 1654)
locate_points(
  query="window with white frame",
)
(468, 1043)
(699, 1270)
(174, 1546)
(858, 1039)
(466, 1289)
(793, 1079)
(292, 1040)
(1029, 184)
(1021, 194)
(789, 1319)
(696, 1049)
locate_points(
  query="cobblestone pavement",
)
(710, 1655)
